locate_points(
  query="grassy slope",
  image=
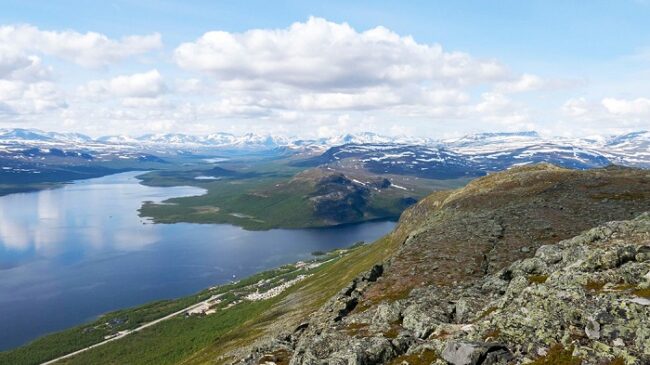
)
(198, 340)
(237, 202)
(304, 299)
(61, 343)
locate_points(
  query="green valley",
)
(263, 194)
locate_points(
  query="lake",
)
(70, 254)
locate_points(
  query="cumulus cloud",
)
(576, 107)
(319, 54)
(140, 85)
(21, 67)
(315, 76)
(19, 97)
(635, 107)
(608, 115)
(89, 49)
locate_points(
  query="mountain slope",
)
(449, 247)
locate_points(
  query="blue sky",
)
(565, 67)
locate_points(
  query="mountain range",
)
(471, 155)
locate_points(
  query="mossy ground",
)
(537, 279)
(425, 357)
(558, 355)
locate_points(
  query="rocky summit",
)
(534, 265)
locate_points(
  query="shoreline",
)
(273, 282)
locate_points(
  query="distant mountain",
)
(498, 151)
(399, 159)
(20, 134)
(121, 139)
(630, 149)
(484, 152)
(488, 139)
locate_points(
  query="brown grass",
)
(280, 357)
(425, 357)
(558, 355)
(357, 329)
(617, 361)
(643, 293)
(623, 287)
(486, 313)
(393, 331)
(537, 279)
(594, 286)
(375, 297)
(492, 334)
(627, 196)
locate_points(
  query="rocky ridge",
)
(583, 300)
(493, 285)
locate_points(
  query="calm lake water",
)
(70, 254)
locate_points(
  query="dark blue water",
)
(70, 254)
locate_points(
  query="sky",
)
(316, 69)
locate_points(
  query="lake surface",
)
(70, 254)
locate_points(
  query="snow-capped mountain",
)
(496, 151)
(400, 159)
(20, 134)
(486, 152)
(630, 149)
(120, 139)
(483, 152)
(215, 140)
(321, 144)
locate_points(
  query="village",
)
(261, 290)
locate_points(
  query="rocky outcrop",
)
(587, 297)
(339, 199)
(486, 275)
(475, 353)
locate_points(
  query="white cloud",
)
(322, 55)
(493, 102)
(608, 115)
(635, 107)
(146, 103)
(576, 107)
(144, 85)
(499, 110)
(86, 49)
(526, 82)
(21, 67)
(189, 86)
(20, 97)
(315, 77)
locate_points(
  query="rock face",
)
(339, 199)
(474, 296)
(475, 353)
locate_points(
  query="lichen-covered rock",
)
(475, 353)
(588, 302)
(583, 300)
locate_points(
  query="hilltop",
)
(479, 272)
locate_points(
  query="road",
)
(123, 334)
